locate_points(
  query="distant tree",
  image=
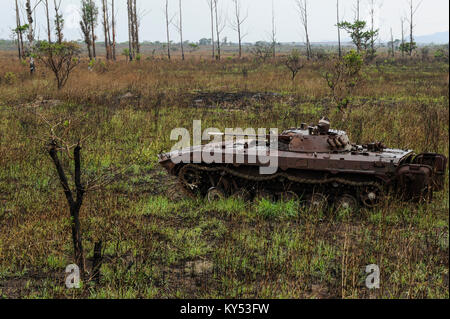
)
(113, 18)
(262, 51)
(106, 29)
(402, 45)
(193, 47)
(205, 41)
(343, 76)
(168, 22)
(60, 58)
(360, 36)
(47, 15)
(133, 29)
(407, 47)
(391, 45)
(179, 27)
(126, 53)
(273, 34)
(302, 7)
(29, 10)
(136, 21)
(93, 18)
(211, 8)
(371, 51)
(294, 63)
(220, 25)
(85, 24)
(412, 11)
(20, 30)
(441, 54)
(236, 24)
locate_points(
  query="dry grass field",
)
(157, 243)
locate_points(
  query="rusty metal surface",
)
(311, 159)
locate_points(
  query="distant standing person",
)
(32, 66)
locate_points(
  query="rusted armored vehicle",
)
(315, 164)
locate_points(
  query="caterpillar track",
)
(224, 182)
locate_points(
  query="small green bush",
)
(10, 78)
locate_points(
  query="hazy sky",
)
(432, 16)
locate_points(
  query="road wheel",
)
(346, 202)
(190, 177)
(371, 196)
(317, 201)
(215, 194)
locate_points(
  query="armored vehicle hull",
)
(313, 164)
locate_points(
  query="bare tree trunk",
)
(372, 14)
(217, 29)
(338, 29)
(130, 30)
(19, 34)
(89, 52)
(105, 28)
(274, 33)
(109, 31)
(74, 204)
(238, 26)
(392, 44)
(136, 28)
(238, 23)
(303, 11)
(167, 29)
(58, 22)
(30, 25)
(94, 53)
(357, 10)
(403, 36)
(411, 26)
(30, 35)
(307, 33)
(85, 25)
(113, 31)
(181, 31)
(240, 43)
(133, 28)
(49, 30)
(412, 12)
(211, 7)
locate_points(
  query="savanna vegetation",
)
(156, 242)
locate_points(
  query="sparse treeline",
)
(107, 30)
(364, 34)
(89, 21)
(89, 13)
